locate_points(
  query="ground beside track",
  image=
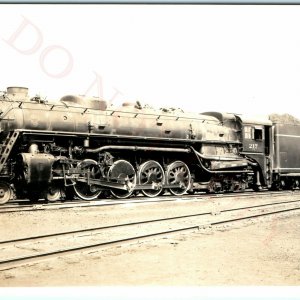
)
(266, 252)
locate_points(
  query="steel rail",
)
(9, 208)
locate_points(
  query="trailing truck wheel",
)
(151, 172)
(6, 192)
(178, 173)
(89, 168)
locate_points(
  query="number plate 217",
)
(253, 146)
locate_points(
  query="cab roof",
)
(255, 119)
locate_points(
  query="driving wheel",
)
(178, 173)
(122, 172)
(151, 172)
(85, 191)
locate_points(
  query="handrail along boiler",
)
(79, 147)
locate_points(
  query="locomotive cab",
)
(256, 146)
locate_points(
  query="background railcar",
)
(286, 165)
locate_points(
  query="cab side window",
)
(258, 134)
(252, 133)
(248, 132)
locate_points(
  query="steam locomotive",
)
(81, 148)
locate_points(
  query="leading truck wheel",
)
(6, 192)
(54, 193)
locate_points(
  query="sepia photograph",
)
(149, 146)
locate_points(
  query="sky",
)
(239, 59)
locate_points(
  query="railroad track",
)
(30, 250)
(24, 206)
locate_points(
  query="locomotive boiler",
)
(79, 147)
